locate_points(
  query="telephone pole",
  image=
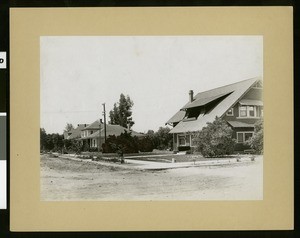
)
(104, 114)
(100, 144)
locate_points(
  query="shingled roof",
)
(232, 93)
(112, 130)
(74, 133)
(94, 126)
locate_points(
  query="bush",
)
(124, 143)
(215, 139)
(145, 145)
(256, 142)
(93, 149)
(74, 146)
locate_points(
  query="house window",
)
(91, 132)
(188, 139)
(251, 111)
(181, 140)
(248, 135)
(240, 137)
(243, 136)
(230, 112)
(243, 111)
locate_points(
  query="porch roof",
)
(237, 124)
(251, 102)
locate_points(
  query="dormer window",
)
(251, 111)
(243, 111)
(230, 112)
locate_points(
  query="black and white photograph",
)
(151, 118)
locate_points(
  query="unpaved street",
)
(69, 180)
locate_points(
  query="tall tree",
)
(121, 113)
(69, 127)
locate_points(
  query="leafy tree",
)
(215, 139)
(53, 142)
(69, 127)
(161, 139)
(124, 143)
(43, 139)
(145, 145)
(164, 138)
(256, 142)
(121, 113)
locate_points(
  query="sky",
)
(79, 73)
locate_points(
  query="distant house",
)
(239, 104)
(74, 133)
(93, 134)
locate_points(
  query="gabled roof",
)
(94, 126)
(234, 93)
(74, 133)
(112, 130)
(177, 117)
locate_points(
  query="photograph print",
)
(151, 118)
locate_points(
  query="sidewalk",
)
(150, 165)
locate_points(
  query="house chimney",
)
(191, 93)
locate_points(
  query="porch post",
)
(173, 141)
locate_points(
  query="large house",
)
(94, 134)
(239, 104)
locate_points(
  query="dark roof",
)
(200, 100)
(94, 126)
(234, 93)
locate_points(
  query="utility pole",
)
(104, 114)
(100, 145)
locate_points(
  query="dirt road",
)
(69, 180)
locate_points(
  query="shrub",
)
(256, 142)
(145, 145)
(215, 139)
(75, 146)
(93, 149)
(125, 143)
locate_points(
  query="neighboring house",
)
(239, 104)
(74, 133)
(93, 134)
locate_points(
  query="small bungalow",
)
(239, 104)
